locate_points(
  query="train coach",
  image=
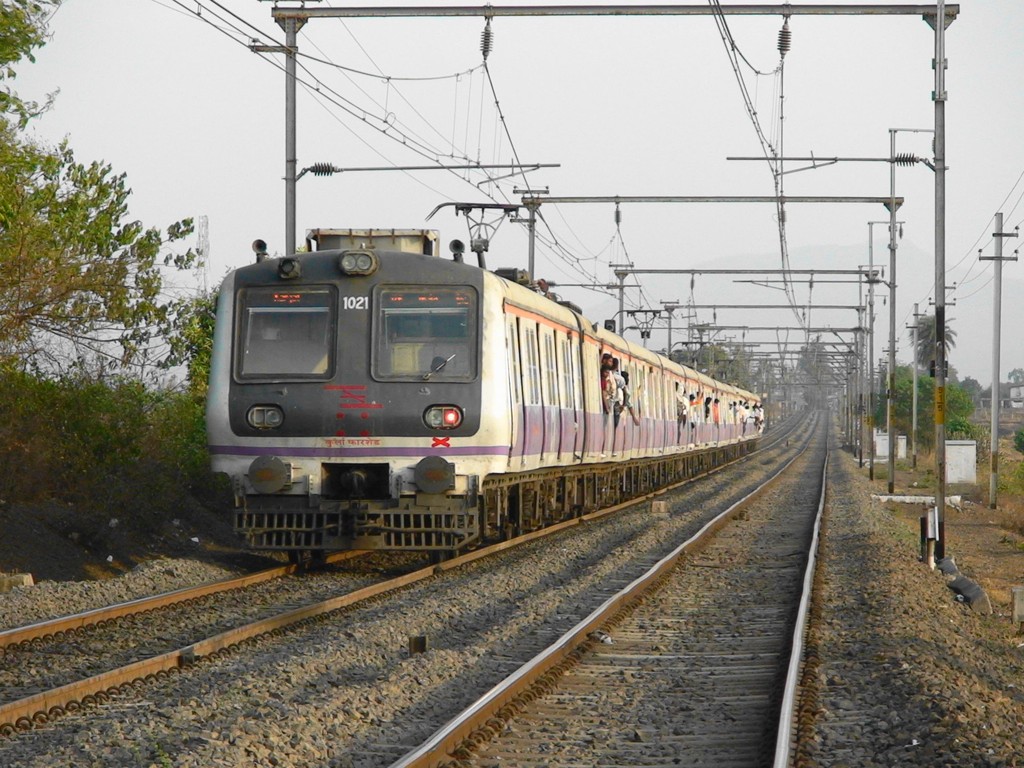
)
(371, 394)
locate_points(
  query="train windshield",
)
(426, 334)
(286, 334)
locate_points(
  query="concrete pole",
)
(862, 370)
(939, 96)
(671, 313)
(997, 305)
(291, 29)
(913, 428)
(997, 294)
(871, 355)
(890, 390)
(620, 321)
(532, 227)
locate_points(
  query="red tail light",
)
(443, 416)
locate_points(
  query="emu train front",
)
(337, 376)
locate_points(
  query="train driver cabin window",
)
(286, 334)
(426, 333)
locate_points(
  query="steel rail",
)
(438, 749)
(23, 713)
(785, 735)
(51, 627)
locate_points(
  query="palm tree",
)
(925, 352)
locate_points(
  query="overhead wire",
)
(972, 250)
(242, 32)
(317, 88)
(772, 152)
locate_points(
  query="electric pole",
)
(997, 301)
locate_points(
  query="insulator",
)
(321, 169)
(486, 40)
(785, 38)
(905, 159)
(618, 215)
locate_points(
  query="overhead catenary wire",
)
(771, 152)
(973, 248)
(317, 89)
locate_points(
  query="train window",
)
(550, 365)
(531, 369)
(427, 333)
(286, 333)
(568, 375)
(513, 361)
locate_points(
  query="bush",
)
(110, 447)
(959, 428)
(1018, 440)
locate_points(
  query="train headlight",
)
(265, 417)
(358, 262)
(434, 475)
(442, 416)
(289, 268)
(268, 474)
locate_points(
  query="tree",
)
(83, 280)
(972, 387)
(959, 407)
(22, 30)
(926, 339)
(1016, 376)
(189, 331)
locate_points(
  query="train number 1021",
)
(355, 302)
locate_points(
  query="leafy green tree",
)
(1016, 376)
(959, 407)
(189, 332)
(84, 281)
(972, 387)
(22, 30)
(926, 339)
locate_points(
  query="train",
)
(371, 393)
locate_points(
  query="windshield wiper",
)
(438, 367)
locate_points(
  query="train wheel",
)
(306, 558)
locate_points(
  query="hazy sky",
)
(170, 94)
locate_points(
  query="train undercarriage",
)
(502, 507)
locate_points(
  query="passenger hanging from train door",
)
(621, 399)
(682, 409)
(716, 415)
(621, 380)
(608, 393)
(694, 416)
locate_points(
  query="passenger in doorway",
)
(622, 392)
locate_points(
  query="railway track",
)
(43, 705)
(688, 664)
(61, 626)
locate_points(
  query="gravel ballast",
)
(909, 676)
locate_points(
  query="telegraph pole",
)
(997, 300)
(913, 428)
(291, 26)
(872, 279)
(936, 538)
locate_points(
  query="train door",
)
(572, 422)
(628, 426)
(533, 425)
(515, 386)
(550, 411)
